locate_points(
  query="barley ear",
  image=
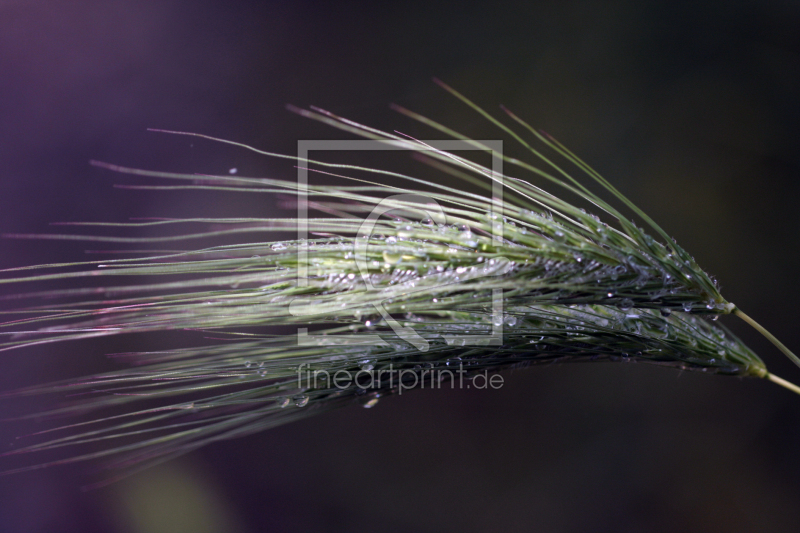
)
(567, 154)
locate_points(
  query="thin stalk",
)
(758, 327)
(783, 383)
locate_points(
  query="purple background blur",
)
(690, 108)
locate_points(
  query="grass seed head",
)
(416, 263)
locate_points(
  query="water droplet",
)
(278, 246)
(687, 306)
(301, 400)
(510, 320)
(234, 170)
(371, 402)
(248, 364)
(392, 257)
(367, 365)
(391, 240)
(467, 239)
(625, 304)
(283, 402)
(666, 311)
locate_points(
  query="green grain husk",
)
(576, 287)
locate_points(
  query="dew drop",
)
(466, 238)
(617, 271)
(372, 402)
(301, 400)
(392, 257)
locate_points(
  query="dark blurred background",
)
(690, 108)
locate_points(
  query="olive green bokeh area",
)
(691, 109)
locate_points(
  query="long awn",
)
(396, 288)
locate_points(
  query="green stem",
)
(738, 312)
(783, 383)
